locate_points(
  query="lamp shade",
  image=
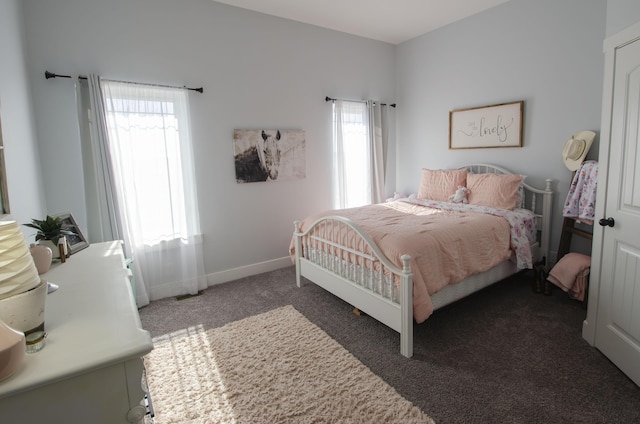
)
(22, 294)
(18, 272)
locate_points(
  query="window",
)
(352, 154)
(150, 144)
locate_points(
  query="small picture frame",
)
(486, 126)
(76, 242)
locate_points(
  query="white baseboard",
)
(248, 270)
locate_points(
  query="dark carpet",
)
(502, 355)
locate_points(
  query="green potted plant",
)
(50, 229)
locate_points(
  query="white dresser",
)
(90, 368)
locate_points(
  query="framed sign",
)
(486, 126)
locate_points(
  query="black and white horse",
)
(260, 162)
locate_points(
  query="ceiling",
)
(392, 21)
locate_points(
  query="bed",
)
(348, 253)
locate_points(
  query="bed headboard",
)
(537, 200)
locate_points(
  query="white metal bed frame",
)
(365, 280)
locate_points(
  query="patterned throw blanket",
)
(581, 200)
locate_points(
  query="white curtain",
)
(379, 138)
(105, 221)
(149, 164)
(360, 141)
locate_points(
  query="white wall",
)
(26, 198)
(257, 71)
(545, 52)
(621, 14)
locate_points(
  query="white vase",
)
(55, 250)
(42, 256)
(12, 350)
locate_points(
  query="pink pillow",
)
(494, 190)
(440, 184)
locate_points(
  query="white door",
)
(617, 332)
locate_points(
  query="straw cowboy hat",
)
(576, 148)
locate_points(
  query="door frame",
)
(610, 46)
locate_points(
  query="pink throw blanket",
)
(571, 274)
(445, 246)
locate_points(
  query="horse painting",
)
(260, 161)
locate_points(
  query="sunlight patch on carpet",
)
(276, 367)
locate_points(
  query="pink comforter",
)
(445, 246)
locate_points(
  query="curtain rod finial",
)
(48, 75)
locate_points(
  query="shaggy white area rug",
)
(276, 367)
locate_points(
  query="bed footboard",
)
(337, 255)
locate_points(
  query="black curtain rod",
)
(48, 75)
(329, 99)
